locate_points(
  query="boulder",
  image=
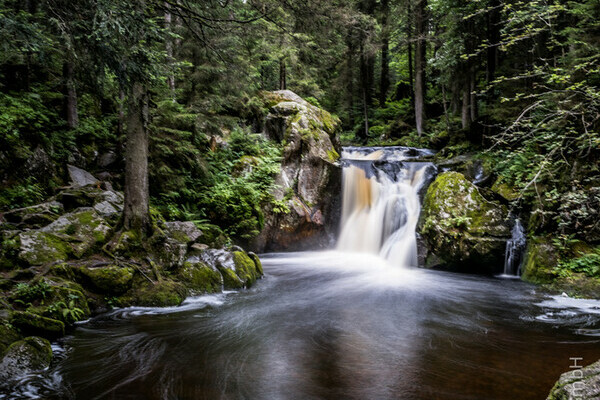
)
(163, 293)
(198, 277)
(462, 228)
(308, 185)
(23, 357)
(33, 324)
(34, 216)
(578, 384)
(80, 177)
(74, 234)
(110, 279)
(183, 231)
(541, 258)
(237, 268)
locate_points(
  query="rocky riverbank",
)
(60, 265)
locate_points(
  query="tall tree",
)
(421, 21)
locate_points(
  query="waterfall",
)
(515, 247)
(381, 204)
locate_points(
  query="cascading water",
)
(381, 204)
(515, 247)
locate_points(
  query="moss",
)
(33, 324)
(333, 155)
(39, 248)
(201, 278)
(505, 190)
(8, 334)
(163, 293)
(541, 258)
(230, 279)
(27, 355)
(257, 264)
(110, 279)
(245, 268)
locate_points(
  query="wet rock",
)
(237, 268)
(164, 293)
(461, 227)
(80, 177)
(111, 279)
(310, 178)
(198, 277)
(33, 324)
(23, 357)
(578, 384)
(541, 257)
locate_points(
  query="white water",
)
(381, 204)
(515, 248)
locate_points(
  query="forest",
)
(228, 123)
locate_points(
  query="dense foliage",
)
(517, 81)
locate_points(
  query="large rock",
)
(80, 177)
(34, 216)
(237, 268)
(73, 234)
(308, 185)
(462, 228)
(578, 384)
(541, 259)
(23, 357)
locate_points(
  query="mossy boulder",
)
(461, 227)
(8, 333)
(72, 235)
(23, 357)
(163, 293)
(33, 324)
(109, 279)
(307, 186)
(541, 259)
(578, 384)
(245, 268)
(257, 263)
(34, 216)
(200, 278)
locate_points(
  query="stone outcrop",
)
(461, 228)
(578, 384)
(308, 185)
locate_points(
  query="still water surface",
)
(332, 326)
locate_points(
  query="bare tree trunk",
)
(466, 115)
(385, 48)
(350, 83)
(136, 214)
(420, 65)
(72, 115)
(445, 102)
(282, 75)
(473, 94)
(169, 49)
(409, 35)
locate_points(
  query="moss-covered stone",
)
(39, 248)
(111, 279)
(230, 279)
(505, 190)
(257, 263)
(461, 227)
(578, 384)
(200, 278)
(8, 334)
(33, 324)
(541, 259)
(25, 356)
(163, 293)
(245, 268)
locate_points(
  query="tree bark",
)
(466, 114)
(385, 48)
(169, 49)
(473, 95)
(136, 214)
(71, 113)
(282, 75)
(420, 64)
(409, 35)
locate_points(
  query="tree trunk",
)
(282, 75)
(466, 115)
(350, 84)
(169, 49)
(420, 64)
(365, 91)
(71, 114)
(385, 48)
(409, 35)
(473, 95)
(136, 214)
